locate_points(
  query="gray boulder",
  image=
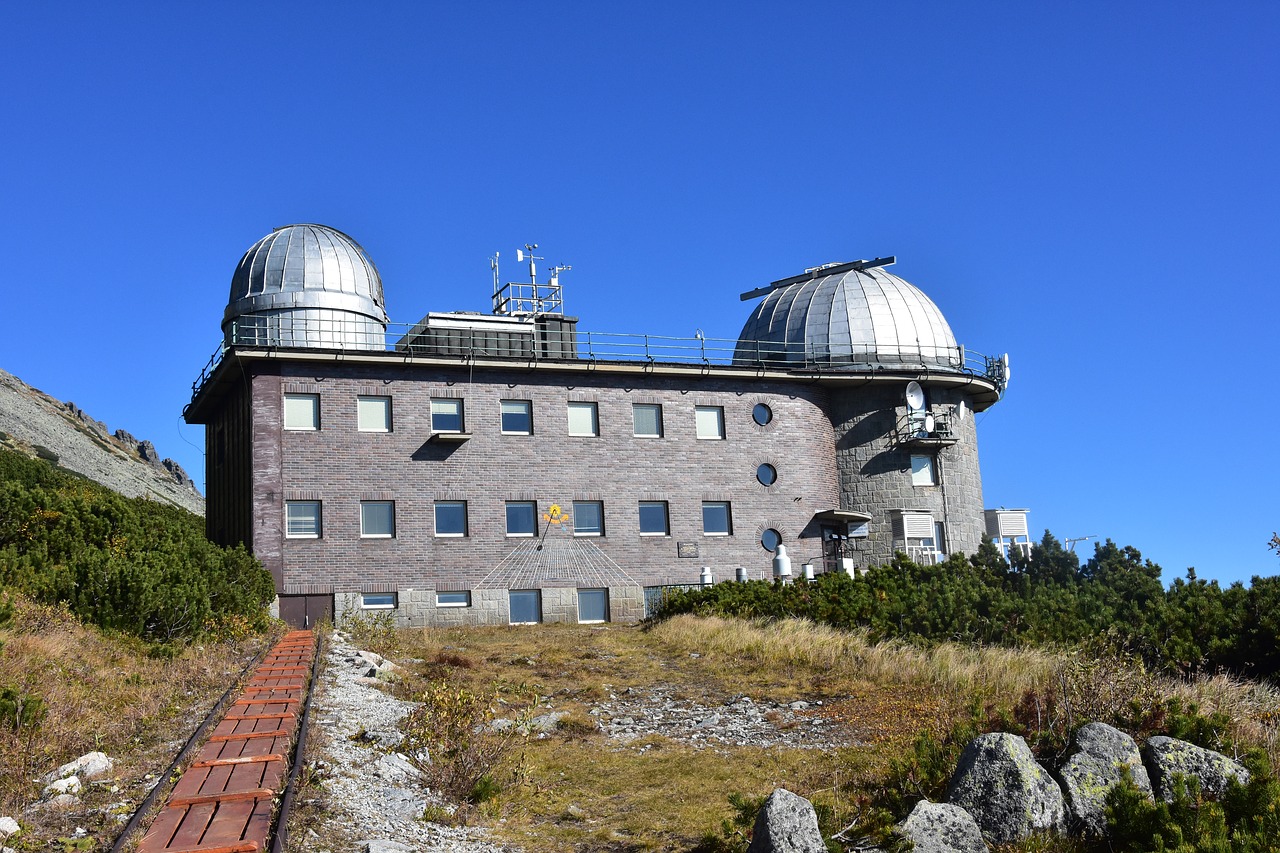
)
(1167, 757)
(1100, 757)
(786, 823)
(1010, 796)
(942, 828)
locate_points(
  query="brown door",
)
(304, 611)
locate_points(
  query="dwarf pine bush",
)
(126, 564)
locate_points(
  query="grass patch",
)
(575, 788)
(105, 693)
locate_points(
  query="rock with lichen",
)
(1009, 794)
(1101, 756)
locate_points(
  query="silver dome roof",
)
(306, 266)
(859, 318)
(306, 286)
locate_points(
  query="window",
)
(647, 420)
(377, 519)
(461, 598)
(770, 540)
(526, 606)
(446, 414)
(583, 419)
(451, 518)
(373, 414)
(588, 518)
(922, 471)
(302, 411)
(522, 518)
(378, 600)
(766, 474)
(593, 605)
(761, 414)
(716, 519)
(517, 417)
(302, 519)
(653, 518)
(710, 422)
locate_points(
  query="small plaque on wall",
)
(687, 549)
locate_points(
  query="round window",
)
(767, 474)
(762, 414)
(770, 540)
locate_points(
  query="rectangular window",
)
(522, 518)
(716, 519)
(302, 411)
(593, 605)
(446, 414)
(647, 420)
(302, 519)
(461, 598)
(373, 414)
(922, 471)
(451, 518)
(377, 519)
(584, 419)
(517, 417)
(653, 519)
(588, 518)
(526, 606)
(378, 600)
(710, 422)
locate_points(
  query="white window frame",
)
(709, 430)
(379, 601)
(594, 592)
(521, 535)
(666, 518)
(599, 505)
(449, 402)
(300, 419)
(316, 519)
(923, 472)
(592, 409)
(435, 519)
(373, 413)
(449, 598)
(537, 597)
(728, 518)
(635, 428)
(364, 525)
(526, 405)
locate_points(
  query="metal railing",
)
(532, 342)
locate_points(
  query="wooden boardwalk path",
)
(224, 801)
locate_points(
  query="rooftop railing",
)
(533, 343)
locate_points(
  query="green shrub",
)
(452, 738)
(126, 564)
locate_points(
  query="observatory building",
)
(509, 467)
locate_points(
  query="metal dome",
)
(306, 286)
(862, 318)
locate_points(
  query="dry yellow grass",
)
(579, 790)
(102, 693)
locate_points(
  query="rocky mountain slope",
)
(39, 425)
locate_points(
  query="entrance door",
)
(304, 611)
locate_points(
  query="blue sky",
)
(1091, 187)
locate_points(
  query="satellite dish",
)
(1004, 359)
(915, 397)
(962, 411)
(928, 423)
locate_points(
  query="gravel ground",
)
(370, 797)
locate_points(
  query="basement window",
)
(378, 600)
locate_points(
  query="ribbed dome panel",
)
(856, 319)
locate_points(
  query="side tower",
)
(902, 395)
